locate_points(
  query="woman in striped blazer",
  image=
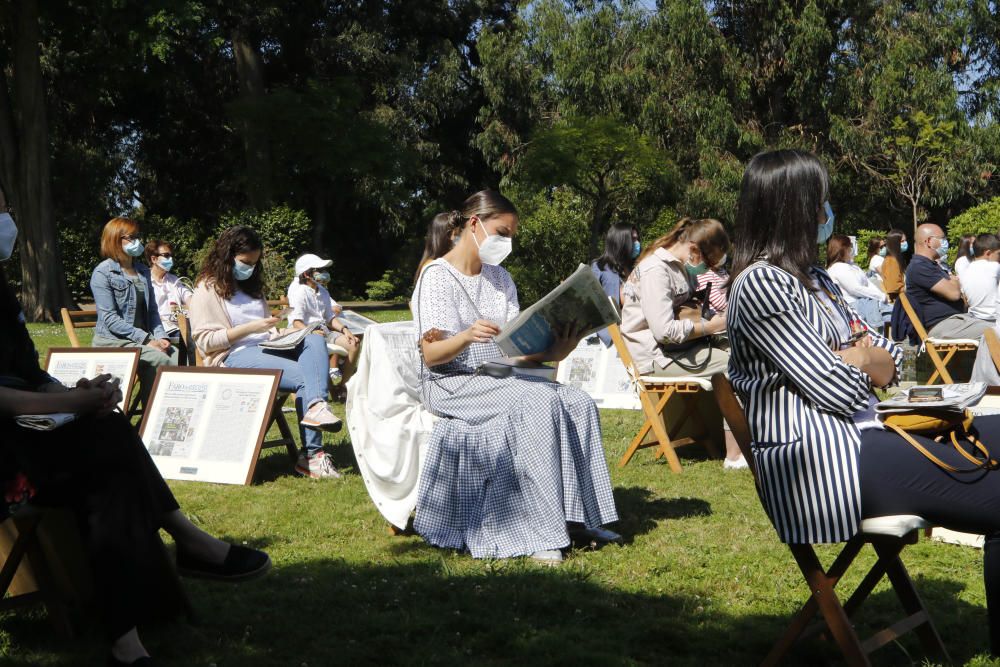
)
(824, 462)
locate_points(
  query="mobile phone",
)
(857, 335)
(924, 394)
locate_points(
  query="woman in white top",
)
(965, 254)
(171, 295)
(860, 294)
(517, 462)
(876, 255)
(311, 303)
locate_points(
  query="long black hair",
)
(778, 212)
(217, 270)
(894, 247)
(618, 250)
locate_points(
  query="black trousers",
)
(99, 468)
(898, 479)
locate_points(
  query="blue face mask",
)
(826, 229)
(167, 263)
(321, 277)
(242, 271)
(904, 246)
(883, 251)
(134, 248)
(636, 249)
(942, 249)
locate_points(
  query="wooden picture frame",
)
(207, 424)
(69, 364)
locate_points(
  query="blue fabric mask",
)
(167, 263)
(134, 248)
(904, 246)
(883, 251)
(826, 229)
(636, 249)
(8, 236)
(321, 277)
(242, 271)
(942, 250)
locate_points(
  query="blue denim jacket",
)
(115, 297)
(612, 283)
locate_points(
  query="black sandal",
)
(241, 564)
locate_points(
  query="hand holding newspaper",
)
(579, 299)
(289, 340)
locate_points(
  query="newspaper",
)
(45, 422)
(578, 299)
(355, 323)
(955, 398)
(291, 339)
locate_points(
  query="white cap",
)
(310, 261)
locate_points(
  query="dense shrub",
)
(864, 236)
(982, 219)
(394, 285)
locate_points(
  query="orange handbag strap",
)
(988, 463)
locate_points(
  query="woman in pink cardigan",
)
(230, 319)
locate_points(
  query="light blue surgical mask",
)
(883, 251)
(166, 263)
(8, 236)
(636, 249)
(942, 250)
(904, 246)
(826, 229)
(321, 277)
(134, 248)
(242, 271)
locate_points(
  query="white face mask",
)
(494, 249)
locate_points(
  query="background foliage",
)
(367, 118)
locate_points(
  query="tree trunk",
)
(915, 208)
(256, 145)
(598, 222)
(26, 174)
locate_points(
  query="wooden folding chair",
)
(277, 417)
(935, 346)
(87, 319)
(993, 345)
(654, 395)
(888, 535)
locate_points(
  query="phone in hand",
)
(856, 336)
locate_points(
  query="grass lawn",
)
(700, 580)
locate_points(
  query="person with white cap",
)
(311, 303)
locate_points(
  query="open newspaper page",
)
(355, 323)
(579, 299)
(954, 397)
(290, 340)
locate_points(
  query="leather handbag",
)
(945, 427)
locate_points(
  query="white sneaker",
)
(319, 417)
(336, 376)
(548, 557)
(738, 464)
(318, 466)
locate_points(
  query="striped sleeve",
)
(774, 319)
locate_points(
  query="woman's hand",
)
(481, 331)
(110, 388)
(161, 344)
(565, 342)
(263, 325)
(874, 361)
(716, 324)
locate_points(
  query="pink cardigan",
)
(209, 324)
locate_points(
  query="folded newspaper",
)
(290, 340)
(954, 398)
(355, 323)
(580, 299)
(45, 422)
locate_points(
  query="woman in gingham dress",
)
(824, 461)
(517, 463)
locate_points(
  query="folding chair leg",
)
(661, 434)
(286, 434)
(652, 415)
(940, 365)
(910, 599)
(673, 432)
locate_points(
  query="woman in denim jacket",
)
(126, 308)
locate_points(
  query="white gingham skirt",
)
(513, 461)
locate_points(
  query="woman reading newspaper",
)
(230, 320)
(823, 461)
(518, 464)
(96, 466)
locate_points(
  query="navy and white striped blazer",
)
(799, 399)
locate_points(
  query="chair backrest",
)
(732, 412)
(77, 319)
(918, 326)
(993, 345)
(623, 353)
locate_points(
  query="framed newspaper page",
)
(207, 424)
(599, 371)
(69, 364)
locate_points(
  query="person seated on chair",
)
(824, 463)
(127, 315)
(895, 263)
(311, 303)
(97, 467)
(517, 464)
(665, 333)
(980, 277)
(621, 249)
(965, 255)
(876, 256)
(869, 301)
(172, 296)
(230, 319)
(935, 295)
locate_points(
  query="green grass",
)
(700, 580)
